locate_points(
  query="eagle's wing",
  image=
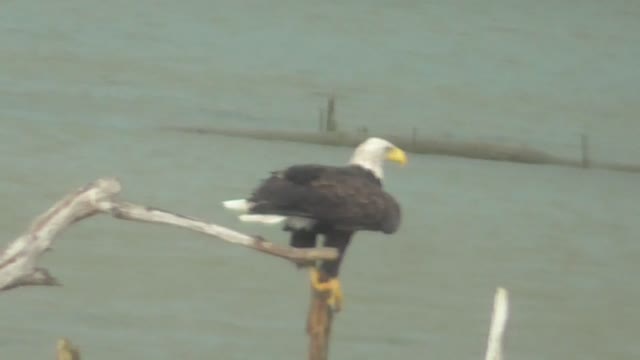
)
(337, 197)
(353, 203)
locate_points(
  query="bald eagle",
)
(333, 201)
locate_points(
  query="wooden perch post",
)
(319, 320)
(18, 260)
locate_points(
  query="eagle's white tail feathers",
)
(294, 222)
(244, 206)
(263, 219)
(298, 223)
(239, 205)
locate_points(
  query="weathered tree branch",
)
(18, 259)
(498, 323)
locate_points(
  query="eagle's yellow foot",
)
(332, 286)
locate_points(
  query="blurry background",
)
(85, 85)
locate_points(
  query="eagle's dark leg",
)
(327, 278)
(302, 239)
(339, 240)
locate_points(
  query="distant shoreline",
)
(433, 146)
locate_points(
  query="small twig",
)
(65, 350)
(18, 259)
(498, 323)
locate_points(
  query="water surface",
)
(85, 85)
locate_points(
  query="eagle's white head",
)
(372, 153)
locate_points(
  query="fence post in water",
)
(584, 145)
(321, 121)
(332, 125)
(414, 137)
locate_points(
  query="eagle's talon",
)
(332, 286)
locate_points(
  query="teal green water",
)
(85, 85)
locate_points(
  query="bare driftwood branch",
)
(498, 323)
(18, 259)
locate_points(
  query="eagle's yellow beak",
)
(397, 155)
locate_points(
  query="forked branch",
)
(18, 260)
